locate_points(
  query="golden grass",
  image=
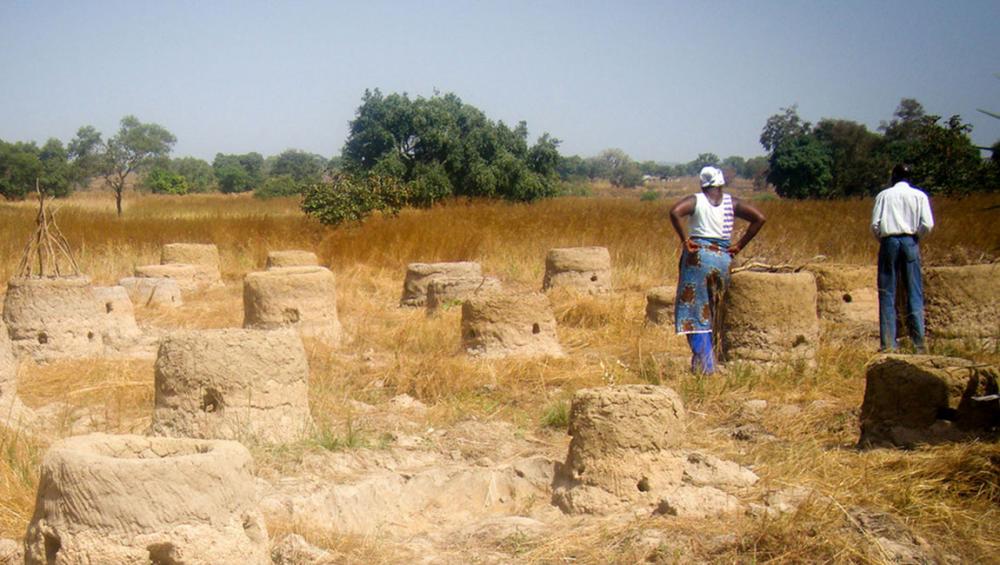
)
(947, 494)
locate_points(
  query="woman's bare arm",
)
(746, 211)
(684, 207)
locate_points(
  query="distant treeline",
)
(404, 151)
(839, 158)
(616, 166)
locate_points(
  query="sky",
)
(662, 80)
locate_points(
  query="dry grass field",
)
(947, 495)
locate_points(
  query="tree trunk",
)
(118, 200)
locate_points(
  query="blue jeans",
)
(899, 256)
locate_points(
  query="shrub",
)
(354, 198)
(162, 181)
(281, 185)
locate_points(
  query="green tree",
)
(197, 173)
(352, 198)
(441, 147)
(800, 167)
(858, 165)
(22, 164)
(238, 173)
(782, 126)
(943, 157)
(86, 153)
(163, 181)
(300, 166)
(130, 151)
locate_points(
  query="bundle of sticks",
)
(47, 253)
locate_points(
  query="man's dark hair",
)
(901, 172)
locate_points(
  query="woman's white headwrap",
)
(711, 176)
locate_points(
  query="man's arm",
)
(877, 217)
(926, 218)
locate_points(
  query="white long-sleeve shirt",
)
(901, 210)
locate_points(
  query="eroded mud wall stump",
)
(771, 317)
(446, 291)
(847, 297)
(304, 298)
(660, 305)
(132, 499)
(581, 268)
(963, 302)
(505, 324)
(232, 384)
(913, 399)
(121, 334)
(152, 291)
(291, 258)
(420, 275)
(53, 318)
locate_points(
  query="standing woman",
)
(706, 252)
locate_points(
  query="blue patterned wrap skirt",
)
(702, 280)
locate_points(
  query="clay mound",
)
(121, 334)
(660, 305)
(771, 317)
(133, 499)
(53, 318)
(443, 292)
(912, 399)
(580, 268)
(301, 297)
(184, 275)
(232, 384)
(204, 257)
(847, 296)
(11, 408)
(152, 291)
(509, 324)
(291, 258)
(420, 275)
(625, 452)
(963, 302)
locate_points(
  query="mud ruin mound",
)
(963, 302)
(232, 384)
(446, 291)
(660, 305)
(152, 291)
(53, 318)
(847, 296)
(184, 276)
(581, 268)
(503, 324)
(195, 266)
(132, 499)
(420, 275)
(626, 452)
(291, 258)
(121, 333)
(771, 317)
(913, 399)
(301, 297)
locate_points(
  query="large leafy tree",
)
(857, 164)
(800, 167)
(136, 146)
(238, 173)
(86, 153)
(197, 173)
(23, 164)
(943, 156)
(441, 147)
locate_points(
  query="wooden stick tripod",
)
(47, 253)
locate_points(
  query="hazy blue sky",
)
(661, 80)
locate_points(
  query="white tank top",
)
(711, 221)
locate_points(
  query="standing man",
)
(901, 216)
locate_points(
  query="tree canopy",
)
(839, 158)
(443, 147)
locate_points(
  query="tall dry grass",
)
(946, 494)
